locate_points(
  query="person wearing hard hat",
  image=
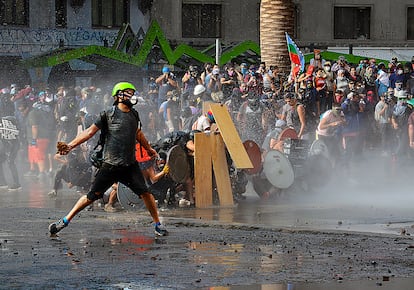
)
(122, 128)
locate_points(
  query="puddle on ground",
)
(386, 283)
(391, 284)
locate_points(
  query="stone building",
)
(44, 28)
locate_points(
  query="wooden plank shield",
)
(255, 154)
(230, 136)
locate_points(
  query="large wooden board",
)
(203, 171)
(221, 171)
(230, 136)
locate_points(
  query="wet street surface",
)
(354, 234)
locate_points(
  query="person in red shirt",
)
(146, 164)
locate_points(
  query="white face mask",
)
(327, 68)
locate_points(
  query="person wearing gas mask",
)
(229, 80)
(166, 83)
(122, 128)
(190, 79)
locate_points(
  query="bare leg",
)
(82, 202)
(189, 189)
(112, 196)
(149, 201)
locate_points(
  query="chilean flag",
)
(295, 55)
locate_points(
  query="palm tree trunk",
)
(276, 18)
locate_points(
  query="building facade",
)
(29, 28)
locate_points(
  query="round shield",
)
(177, 161)
(255, 154)
(288, 133)
(128, 199)
(278, 169)
(318, 147)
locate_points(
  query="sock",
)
(65, 221)
(157, 224)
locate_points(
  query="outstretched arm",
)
(64, 149)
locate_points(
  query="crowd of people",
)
(350, 107)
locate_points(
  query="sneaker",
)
(109, 208)
(184, 203)
(160, 230)
(52, 193)
(14, 187)
(56, 227)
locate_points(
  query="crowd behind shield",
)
(353, 108)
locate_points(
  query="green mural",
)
(128, 50)
(140, 56)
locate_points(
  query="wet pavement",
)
(280, 243)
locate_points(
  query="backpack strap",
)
(136, 114)
(104, 129)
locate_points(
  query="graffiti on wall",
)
(34, 41)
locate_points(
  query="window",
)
(352, 22)
(109, 13)
(410, 23)
(201, 20)
(60, 13)
(14, 12)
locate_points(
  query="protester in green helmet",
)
(121, 127)
(123, 92)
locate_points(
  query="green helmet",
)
(121, 87)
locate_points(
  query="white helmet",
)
(199, 89)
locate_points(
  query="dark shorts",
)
(146, 164)
(107, 175)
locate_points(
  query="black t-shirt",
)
(119, 149)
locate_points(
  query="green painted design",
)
(139, 59)
(154, 34)
(238, 50)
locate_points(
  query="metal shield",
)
(318, 147)
(278, 170)
(288, 133)
(128, 199)
(255, 155)
(177, 161)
